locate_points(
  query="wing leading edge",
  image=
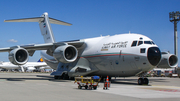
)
(32, 48)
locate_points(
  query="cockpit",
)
(137, 43)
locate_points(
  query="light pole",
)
(174, 17)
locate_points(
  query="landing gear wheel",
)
(140, 81)
(57, 77)
(86, 87)
(65, 77)
(146, 81)
(90, 87)
(143, 81)
(95, 87)
(79, 87)
(71, 78)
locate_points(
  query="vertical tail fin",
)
(44, 24)
(46, 30)
(40, 60)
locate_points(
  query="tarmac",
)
(43, 87)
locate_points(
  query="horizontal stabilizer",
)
(55, 21)
(39, 19)
(36, 19)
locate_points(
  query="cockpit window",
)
(147, 42)
(134, 43)
(140, 42)
(153, 43)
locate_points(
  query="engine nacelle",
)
(168, 60)
(18, 56)
(65, 54)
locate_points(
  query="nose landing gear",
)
(142, 81)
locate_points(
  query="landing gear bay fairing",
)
(120, 55)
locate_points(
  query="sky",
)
(89, 18)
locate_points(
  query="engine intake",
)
(168, 60)
(18, 56)
(65, 54)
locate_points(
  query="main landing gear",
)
(142, 81)
(64, 76)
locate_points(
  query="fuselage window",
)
(134, 43)
(147, 42)
(140, 42)
(143, 50)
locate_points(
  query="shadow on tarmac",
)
(127, 81)
(36, 77)
(134, 81)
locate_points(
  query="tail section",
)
(40, 60)
(44, 24)
(46, 30)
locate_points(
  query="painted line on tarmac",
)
(140, 91)
(163, 88)
(166, 86)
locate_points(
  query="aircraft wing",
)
(28, 47)
(32, 48)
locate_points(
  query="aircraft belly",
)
(112, 63)
(117, 73)
(128, 65)
(52, 65)
(50, 61)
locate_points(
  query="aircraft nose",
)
(154, 55)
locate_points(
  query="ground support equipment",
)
(87, 82)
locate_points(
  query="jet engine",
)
(168, 60)
(18, 56)
(65, 54)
